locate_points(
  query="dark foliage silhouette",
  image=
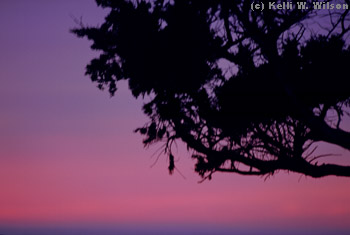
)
(248, 91)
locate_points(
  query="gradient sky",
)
(69, 157)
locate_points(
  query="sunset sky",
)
(70, 161)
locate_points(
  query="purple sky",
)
(68, 154)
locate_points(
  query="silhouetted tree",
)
(248, 91)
